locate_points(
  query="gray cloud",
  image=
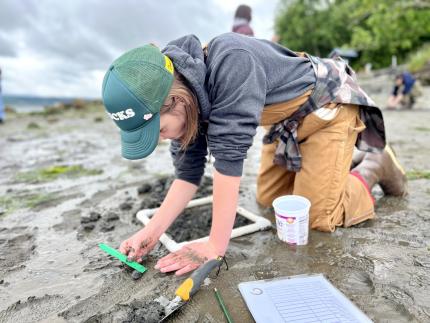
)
(14, 14)
(73, 39)
(7, 47)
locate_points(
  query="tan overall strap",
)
(277, 112)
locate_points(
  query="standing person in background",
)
(1, 103)
(242, 18)
(405, 92)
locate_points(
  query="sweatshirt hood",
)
(187, 56)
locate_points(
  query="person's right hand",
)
(139, 244)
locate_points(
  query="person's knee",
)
(325, 220)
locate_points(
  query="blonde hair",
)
(180, 92)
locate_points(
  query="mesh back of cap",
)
(143, 71)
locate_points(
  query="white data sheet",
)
(304, 299)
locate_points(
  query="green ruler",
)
(122, 257)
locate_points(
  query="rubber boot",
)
(357, 157)
(383, 169)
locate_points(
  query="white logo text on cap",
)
(122, 115)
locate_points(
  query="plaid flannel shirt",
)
(336, 83)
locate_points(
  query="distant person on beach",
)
(242, 19)
(406, 90)
(2, 113)
(204, 100)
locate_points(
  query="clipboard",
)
(303, 298)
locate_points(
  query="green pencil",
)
(222, 305)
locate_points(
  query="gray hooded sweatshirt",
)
(239, 76)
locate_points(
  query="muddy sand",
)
(64, 188)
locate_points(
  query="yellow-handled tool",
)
(190, 286)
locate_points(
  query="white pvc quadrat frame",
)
(259, 224)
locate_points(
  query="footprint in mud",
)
(16, 247)
(71, 221)
(33, 309)
(359, 283)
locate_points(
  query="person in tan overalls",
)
(338, 187)
(213, 99)
(339, 196)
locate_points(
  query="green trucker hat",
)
(134, 89)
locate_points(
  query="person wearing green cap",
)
(214, 98)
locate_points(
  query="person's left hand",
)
(188, 258)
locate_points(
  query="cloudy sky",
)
(62, 48)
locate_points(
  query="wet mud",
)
(19, 243)
(193, 223)
(51, 269)
(196, 223)
(36, 308)
(153, 193)
(136, 311)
